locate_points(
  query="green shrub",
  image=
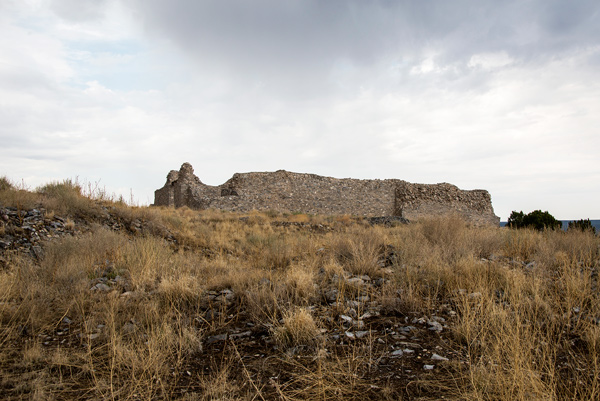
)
(537, 219)
(515, 220)
(5, 184)
(582, 225)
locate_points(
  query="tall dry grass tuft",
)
(298, 328)
(359, 250)
(67, 198)
(268, 251)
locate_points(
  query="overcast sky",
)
(499, 95)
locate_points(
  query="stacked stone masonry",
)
(309, 193)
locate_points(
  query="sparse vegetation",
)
(160, 304)
(5, 184)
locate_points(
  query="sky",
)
(483, 94)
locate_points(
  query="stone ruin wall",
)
(415, 201)
(309, 193)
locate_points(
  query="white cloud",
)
(357, 91)
(490, 61)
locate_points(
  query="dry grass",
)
(525, 304)
(297, 328)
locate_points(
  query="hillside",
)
(100, 300)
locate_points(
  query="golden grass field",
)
(144, 303)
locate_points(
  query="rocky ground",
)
(369, 340)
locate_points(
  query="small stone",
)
(240, 335)
(347, 318)
(398, 353)
(366, 315)
(37, 251)
(219, 337)
(100, 287)
(407, 329)
(435, 326)
(437, 357)
(361, 334)
(428, 367)
(356, 281)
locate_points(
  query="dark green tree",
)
(541, 220)
(516, 219)
(582, 225)
(537, 219)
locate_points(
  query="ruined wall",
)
(310, 193)
(414, 201)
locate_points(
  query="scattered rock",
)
(437, 357)
(100, 287)
(435, 326)
(219, 337)
(397, 353)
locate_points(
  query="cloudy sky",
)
(499, 95)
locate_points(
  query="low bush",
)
(582, 225)
(537, 219)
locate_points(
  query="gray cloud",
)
(493, 94)
(299, 51)
(79, 11)
(270, 35)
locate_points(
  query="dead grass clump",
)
(299, 218)
(443, 231)
(485, 242)
(66, 198)
(359, 250)
(50, 290)
(270, 295)
(521, 244)
(581, 247)
(298, 328)
(18, 196)
(147, 260)
(219, 385)
(268, 251)
(518, 324)
(333, 376)
(299, 284)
